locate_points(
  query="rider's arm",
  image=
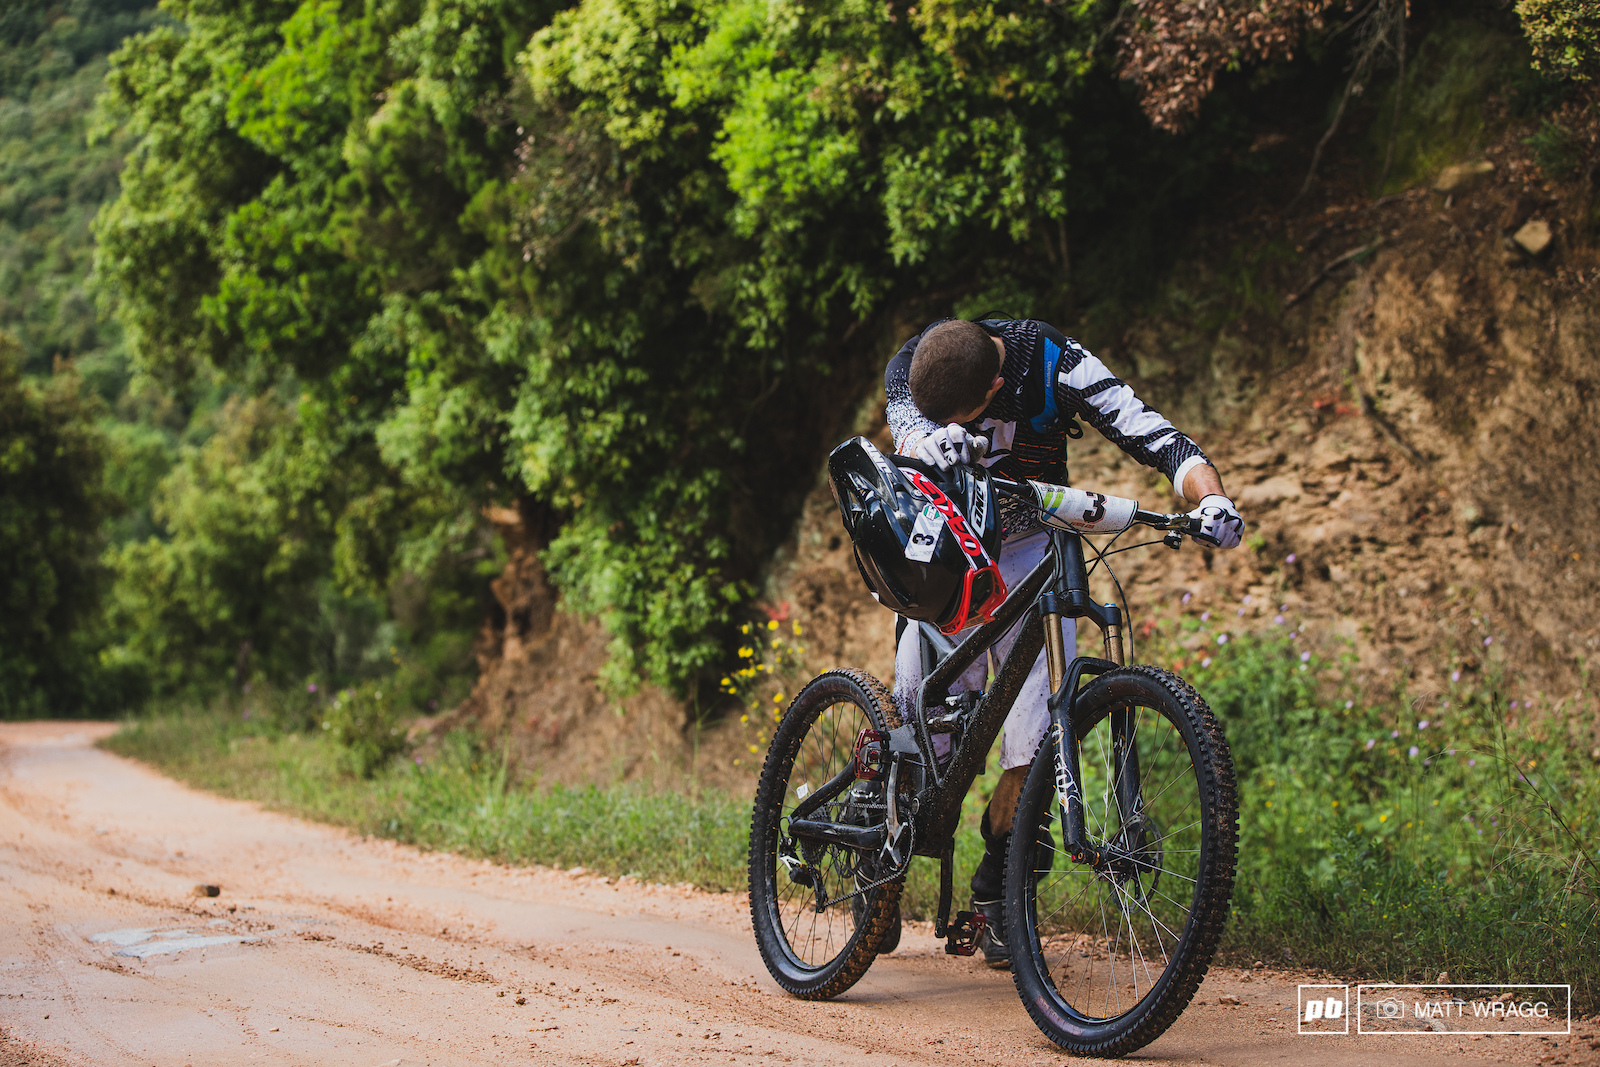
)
(906, 423)
(1084, 385)
(1201, 481)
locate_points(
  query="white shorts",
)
(1030, 716)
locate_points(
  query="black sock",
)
(989, 880)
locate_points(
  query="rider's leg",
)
(1025, 727)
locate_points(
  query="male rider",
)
(1020, 383)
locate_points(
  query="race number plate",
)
(925, 535)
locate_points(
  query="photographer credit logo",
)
(1504, 1010)
(1324, 1009)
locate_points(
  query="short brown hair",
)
(952, 369)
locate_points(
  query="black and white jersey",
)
(1049, 380)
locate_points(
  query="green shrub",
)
(1556, 149)
(369, 726)
(1565, 35)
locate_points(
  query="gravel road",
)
(327, 948)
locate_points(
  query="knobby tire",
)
(802, 967)
(1107, 981)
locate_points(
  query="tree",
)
(52, 504)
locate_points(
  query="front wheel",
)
(817, 933)
(1107, 953)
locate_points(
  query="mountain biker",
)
(1021, 384)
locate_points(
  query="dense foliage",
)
(631, 259)
(51, 508)
(1565, 35)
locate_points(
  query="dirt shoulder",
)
(324, 947)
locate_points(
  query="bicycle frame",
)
(1054, 590)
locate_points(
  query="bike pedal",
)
(962, 939)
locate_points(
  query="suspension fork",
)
(1070, 599)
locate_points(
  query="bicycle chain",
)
(911, 835)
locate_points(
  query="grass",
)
(1390, 838)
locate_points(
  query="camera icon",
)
(1388, 1008)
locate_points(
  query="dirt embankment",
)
(1410, 431)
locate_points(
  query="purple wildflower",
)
(1414, 751)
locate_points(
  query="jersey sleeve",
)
(904, 417)
(1084, 385)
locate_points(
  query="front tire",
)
(1107, 957)
(818, 955)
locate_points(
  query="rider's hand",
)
(949, 445)
(1220, 524)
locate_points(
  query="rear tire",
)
(818, 955)
(1107, 959)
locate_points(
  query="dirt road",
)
(326, 948)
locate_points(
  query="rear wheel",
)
(1107, 954)
(819, 953)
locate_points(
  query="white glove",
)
(1220, 524)
(949, 445)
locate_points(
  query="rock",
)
(1269, 492)
(1534, 237)
(1444, 978)
(1462, 176)
(207, 891)
(1227, 998)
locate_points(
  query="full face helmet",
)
(925, 541)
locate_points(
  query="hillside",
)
(1411, 440)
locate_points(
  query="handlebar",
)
(1089, 512)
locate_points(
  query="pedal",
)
(963, 934)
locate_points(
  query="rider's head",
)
(955, 371)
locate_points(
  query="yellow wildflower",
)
(746, 653)
(772, 624)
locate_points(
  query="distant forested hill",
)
(53, 180)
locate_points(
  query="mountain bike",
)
(1113, 928)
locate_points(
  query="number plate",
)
(925, 535)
